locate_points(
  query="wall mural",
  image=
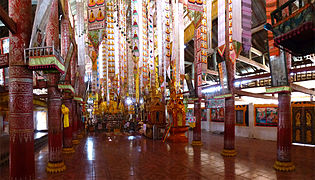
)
(217, 114)
(204, 115)
(266, 115)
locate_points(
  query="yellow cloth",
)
(65, 112)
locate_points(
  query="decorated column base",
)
(284, 166)
(68, 150)
(196, 143)
(55, 167)
(228, 152)
(80, 136)
(177, 134)
(75, 142)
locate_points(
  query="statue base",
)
(177, 134)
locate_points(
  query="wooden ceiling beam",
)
(256, 51)
(255, 95)
(212, 72)
(258, 28)
(253, 63)
(302, 89)
(7, 21)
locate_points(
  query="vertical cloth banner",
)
(209, 23)
(181, 33)
(237, 20)
(221, 26)
(235, 29)
(195, 5)
(96, 17)
(246, 25)
(271, 5)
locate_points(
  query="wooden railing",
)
(277, 14)
(41, 51)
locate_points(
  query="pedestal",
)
(177, 134)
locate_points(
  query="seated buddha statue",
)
(92, 17)
(100, 16)
(100, 2)
(92, 3)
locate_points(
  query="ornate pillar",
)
(284, 130)
(67, 132)
(197, 129)
(75, 123)
(74, 113)
(229, 128)
(80, 130)
(197, 103)
(67, 97)
(22, 164)
(284, 162)
(55, 161)
(229, 114)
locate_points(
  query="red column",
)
(55, 161)
(283, 162)
(80, 132)
(197, 129)
(75, 123)
(67, 98)
(197, 103)
(229, 114)
(22, 165)
(67, 132)
(229, 128)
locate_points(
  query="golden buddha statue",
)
(92, 17)
(100, 2)
(100, 16)
(92, 3)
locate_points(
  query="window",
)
(241, 114)
(41, 120)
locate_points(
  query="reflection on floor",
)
(101, 156)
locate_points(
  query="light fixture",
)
(128, 101)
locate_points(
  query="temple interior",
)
(157, 89)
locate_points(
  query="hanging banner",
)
(195, 5)
(246, 25)
(95, 38)
(221, 26)
(214, 10)
(96, 15)
(237, 20)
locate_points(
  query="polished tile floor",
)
(108, 156)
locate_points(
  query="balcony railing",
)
(41, 51)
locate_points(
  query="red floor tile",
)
(100, 156)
